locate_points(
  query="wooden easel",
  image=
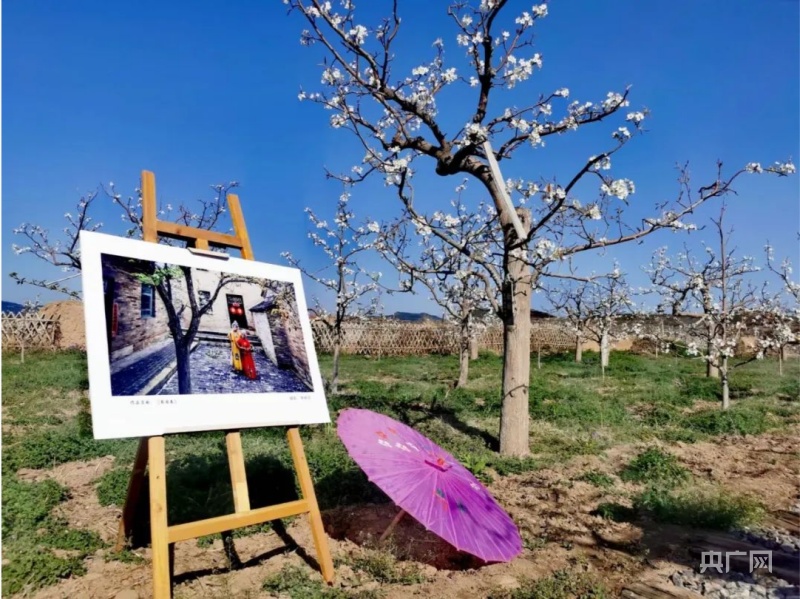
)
(151, 453)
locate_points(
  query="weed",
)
(31, 533)
(735, 421)
(112, 487)
(33, 568)
(382, 566)
(27, 506)
(294, 582)
(700, 508)
(297, 584)
(654, 466)
(615, 512)
(125, 556)
(597, 478)
(50, 447)
(510, 465)
(562, 584)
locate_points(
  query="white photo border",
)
(115, 416)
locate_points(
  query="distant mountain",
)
(12, 307)
(414, 316)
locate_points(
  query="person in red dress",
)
(246, 349)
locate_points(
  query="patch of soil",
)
(364, 524)
(82, 509)
(553, 510)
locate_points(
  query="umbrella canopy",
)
(428, 483)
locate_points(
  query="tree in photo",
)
(444, 113)
(465, 286)
(184, 310)
(343, 243)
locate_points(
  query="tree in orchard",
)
(343, 243)
(443, 113)
(720, 287)
(464, 285)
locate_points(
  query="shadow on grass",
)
(202, 482)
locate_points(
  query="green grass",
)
(296, 583)
(39, 548)
(597, 479)
(654, 466)
(699, 508)
(382, 566)
(574, 412)
(562, 584)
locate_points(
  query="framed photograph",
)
(180, 342)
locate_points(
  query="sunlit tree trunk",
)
(726, 393)
(514, 419)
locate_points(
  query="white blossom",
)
(621, 188)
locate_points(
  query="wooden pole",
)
(391, 526)
(151, 452)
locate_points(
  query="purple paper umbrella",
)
(429, 483)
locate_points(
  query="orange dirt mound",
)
(71, 325)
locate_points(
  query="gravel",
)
(738, 585)
(735, 585)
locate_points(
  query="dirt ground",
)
(552, 510)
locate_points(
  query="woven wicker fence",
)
(29, 330)
(384, 338)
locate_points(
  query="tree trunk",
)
(514, 418)
(334, 385)
(184, 369)
(781, 358)
(726, 392)
(578, 349)
(711, 370)
(539, 355)
(473, 348)
(604, 349)
(463, 366)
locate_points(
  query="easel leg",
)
(241, 494)
(132, 498)
(314, 516)
(159, 535)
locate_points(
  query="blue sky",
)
(97, 91)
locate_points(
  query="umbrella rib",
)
(475, 521)
(422, 479)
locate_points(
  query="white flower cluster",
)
(521, 69)
(620, 188)
(476, 133)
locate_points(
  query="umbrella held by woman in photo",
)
(236, 358)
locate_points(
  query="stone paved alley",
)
(212, 373)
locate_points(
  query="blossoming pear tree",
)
(719, 287)
(465, 286)
(569, 299)
(776, 326)
(594, 308)
(342, 242)
(444, 108)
